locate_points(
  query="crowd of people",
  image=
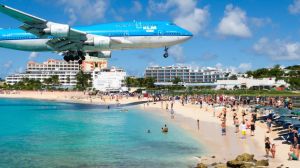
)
(244, 116)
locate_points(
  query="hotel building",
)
(186, 74)
(107, 80)
(41, 71)
(66, 71)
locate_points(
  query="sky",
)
(237, 34)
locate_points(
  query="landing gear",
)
(74, 56)
(67, 58)
(166, 54)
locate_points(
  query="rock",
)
(213, 156)
(201, 165)
(234, 163)
(221, 165)
(245, 157)
(262, 163)
(214, 164)
(247, 165)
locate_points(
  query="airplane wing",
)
(63, 36)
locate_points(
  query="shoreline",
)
(220, 148)
(223, 148)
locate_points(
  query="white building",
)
(107, 80)
(186, 74)
(41, 71)
(250, 82)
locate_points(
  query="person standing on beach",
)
(243, 129)
(252, 127)
(237, 124)
(269, 124)
(201, 102)
(214, 110)
(267, 146)
(198, 124)
(172, 114)
(294, 154)
(273, 150)
(234, 117)
(223, 126)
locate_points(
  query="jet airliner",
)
(38, 35)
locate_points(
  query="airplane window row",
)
(173, 33)
(16, 37)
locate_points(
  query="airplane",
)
(40, 35)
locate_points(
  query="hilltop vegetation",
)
(290, 74)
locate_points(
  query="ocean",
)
(52, 134)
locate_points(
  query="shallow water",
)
(50, 134)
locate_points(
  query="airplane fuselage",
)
(132, 35)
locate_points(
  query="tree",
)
(149, 82)
(68, 79)
(131, 82)
(233, 77)
(55, 80)
(83, 80)
(176, 80)
(235, 87)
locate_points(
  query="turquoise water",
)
(50, 134)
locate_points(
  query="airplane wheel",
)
(79, 62)
(66, 58)
(76, 57)
(71, 58)
(166, 55)
(80, 53)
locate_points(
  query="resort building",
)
(109, 80)
(41, 71)
(92, 63)
(250, 83)
(165, 75)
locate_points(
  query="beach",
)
(218, 148)
(71, 96)
(227, 147)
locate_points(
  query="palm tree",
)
(83, 80)
(176, 80)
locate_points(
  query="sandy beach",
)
(70, 96)
(209, 134)
(227, 147)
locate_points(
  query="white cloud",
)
(294, 8)
(234, 23)
(195, 21)
(260, 22)
(86, 11)
(177, 53)
(278, 49)
(185, 13)
(33, 55)
(245, 66)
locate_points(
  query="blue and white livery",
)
(37, 34)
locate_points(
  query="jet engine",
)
(99, 42)
(57, 30)
(101, 54)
